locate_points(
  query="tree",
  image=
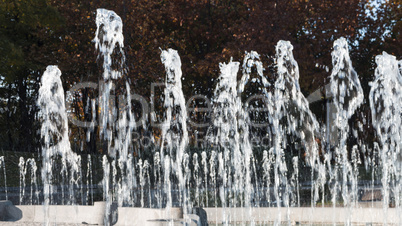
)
(38, 33)
(27, 29)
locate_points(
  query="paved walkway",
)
(33, 224)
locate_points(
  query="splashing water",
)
(174, 128)
(174, 136)
(54, 132)
(385, 103)
(158, 179)
(294, 106)
(23, 171)
(34, 192)
(347, 96)
(345, 84)
(251, 61)
(205, 177)
(224, 132)
(224, 137)
(108, 40)
(90, 191)
(230, 173)
(107, 196)
(125, 127)
(3, 167)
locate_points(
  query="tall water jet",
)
(386, 109)
(89, 176)
(197, 179)
(300, 121)
(174, 134)
(158, 180)
(108, 40)
(30, 166)
(251, 109)
(347, 96)
(281, 185)
(122, 147)
(223, 136)
(223, 131)
(205, 178)
(107, 195)
(294, 183)
(257, 103)
(187, 179)
(268, 161)
(54, 134)
(230, 173)
(3, 167)
(291, 116)
(23, 171)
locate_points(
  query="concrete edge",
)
(147, 216)
(305, 214)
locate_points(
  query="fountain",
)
(230, 180)
(385, 98)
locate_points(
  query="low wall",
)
(146, 216)
(305, 215)
(64, 213)
(94, 215)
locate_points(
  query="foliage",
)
(36, 33)
(26, 28)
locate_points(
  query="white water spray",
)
(54, 133)
(347, 96)
(174, 128)
(386, 109)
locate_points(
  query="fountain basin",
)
(65, 215)
(304, 215)
(94, 215)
